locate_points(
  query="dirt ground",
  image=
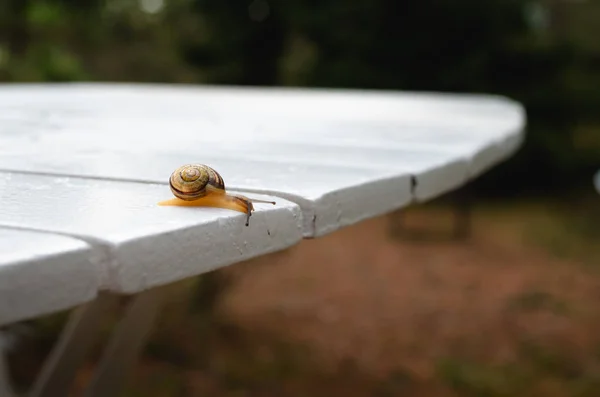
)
(380, 302)
(382, 310)
(383, 302)
(371, 310)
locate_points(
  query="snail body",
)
(200, 185)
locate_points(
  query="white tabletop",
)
(41, 273)
(312, 147)
(144, 245)
(91, 161)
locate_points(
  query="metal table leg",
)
(463, 208)
(80, 333)
(125, 344)
(5, 383)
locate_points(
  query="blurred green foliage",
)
(541, 53)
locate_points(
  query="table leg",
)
(81, 331)
(125, 344)
(461, 206)
(462, 217)
(5, 383)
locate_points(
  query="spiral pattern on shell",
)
(193, 181)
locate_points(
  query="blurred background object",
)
(510, 311)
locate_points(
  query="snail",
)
(200, 185)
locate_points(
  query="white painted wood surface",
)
(91, 160)
(343, 156)
(41, 273)
(140, 244)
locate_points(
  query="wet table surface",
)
(82, 167)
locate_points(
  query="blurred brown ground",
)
(382, 302)
(511, 311)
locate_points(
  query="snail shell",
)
(193, 181)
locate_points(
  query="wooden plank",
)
(145, 245)
(42, 273)
(343, 156)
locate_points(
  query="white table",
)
(82, 167)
